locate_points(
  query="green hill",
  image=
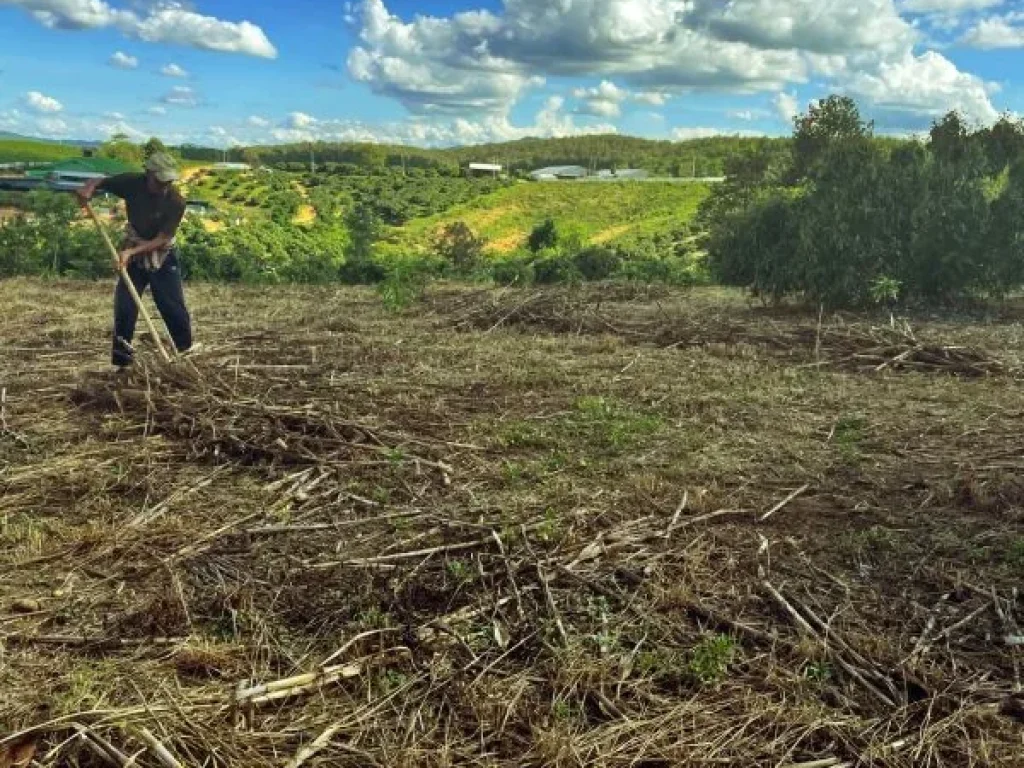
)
(608, 212)
(18, 150)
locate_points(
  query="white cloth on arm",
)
(152, 260)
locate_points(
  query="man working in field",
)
(155, 209)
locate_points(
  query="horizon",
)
(96, 143)
(481, 71)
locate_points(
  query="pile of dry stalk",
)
(311, 558)
(855, 347)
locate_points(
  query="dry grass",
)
(305, 215)
(509, 528)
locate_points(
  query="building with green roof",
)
(73, 173)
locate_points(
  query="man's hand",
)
(125, 257)
(86, 191)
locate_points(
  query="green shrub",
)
(460, 248)
(405, 282)
(552, 267)
(364, 272)
(515, 270)
(710, 659)
(261, 252)
(653, 269)
(597, 262)
(543, 237)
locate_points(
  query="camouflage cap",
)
(162, 165)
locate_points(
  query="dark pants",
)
(169, 298)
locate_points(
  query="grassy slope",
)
(610, 212)
(28, 151)
(602, 213)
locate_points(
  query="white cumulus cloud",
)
(686, 133)
(652, 98)
(816, 26)
(947, 6)
(184, 27)
(222, 137)
(786, 106)
(10, 119)
(168, 22)
(435, 64)
(52, 126)
(550, 121)
(72, 14)
(182, 96)
(926, 86)
(1006, 31)
(258, 122)
(300, 120)
(173, 70)
(106, 128)
(603, 101)
(122, 60)
(41, 103)
(484, 61)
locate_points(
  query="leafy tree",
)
(1006, 233)
(949, 138)
(1003, 143)
(543, 236)
(120, 147)
(877, 221)
(834, 120)
(364, 231)
(283, 204)
(43, 240)
(748, 176)
(459, 247)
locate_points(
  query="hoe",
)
(128, 282)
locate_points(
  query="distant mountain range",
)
(66, 142)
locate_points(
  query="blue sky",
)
(220, 72)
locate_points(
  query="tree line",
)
(700, 157)
(846, 220)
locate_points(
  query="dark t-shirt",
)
(150, 215)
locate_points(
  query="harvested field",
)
(610, 527)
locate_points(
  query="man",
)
(155, 210)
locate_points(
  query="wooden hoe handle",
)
(128, 282)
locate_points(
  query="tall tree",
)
(827, 123)
(364, 231)
(949, 137)
(120, 147)
(1003, 143)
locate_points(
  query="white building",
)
(631, 173)
(483, 168)
(559, 172)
